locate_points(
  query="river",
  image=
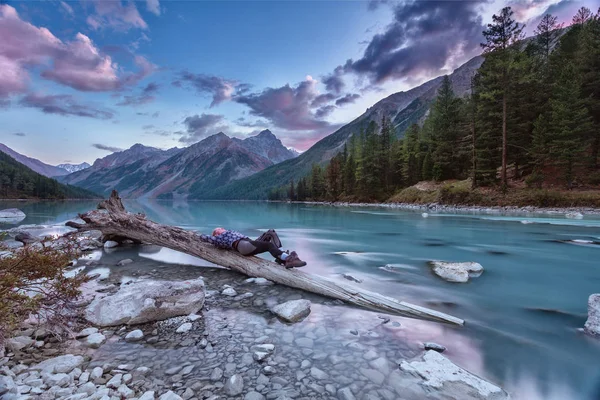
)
(523, 315)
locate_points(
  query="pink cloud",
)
(78, 64)
(116, 15)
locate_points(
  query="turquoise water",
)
(523, 314)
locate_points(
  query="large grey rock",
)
(234, 385)
(292, 311)
(456, 271)
(7, 385)
(170, 395)
(86, 332)
(19, 343)
(60, 364)
(440, 373)
(147, 301)
(11, 215)
(95, 340)
(149, 395)
(345, 394)
(61, 380)
(592, 325)
(134, 335)
(254, 396)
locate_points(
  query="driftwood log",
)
(113, 220)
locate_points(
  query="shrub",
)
(33, 282)
(534, 180)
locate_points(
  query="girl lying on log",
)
(268, 241)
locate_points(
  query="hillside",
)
(19, 181)
(403, 108)
(34, 164)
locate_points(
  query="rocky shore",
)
(571, 213)
(149, 330)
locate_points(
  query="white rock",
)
(183, 328)
(234, 385)
(194, 317)
(19, 343)
(425, 215)
(96, 374)
(146, 301)
(264, 348)
(440, 373)
(109, 244)
(61, 379)
(345, 394)
(170, 395)
(84, 377)
(260, 356)
(86, 332)
(125, 393)
(7, 385)
(95, 340)
(12, 215)
(352, 278)
(124, 262)
(88, 388)
(456, 271)
(292, 311)
(318, 374)
(229, 292)
(149, 395)
(115, 381)
(254, 396)
(574, 215)
(60, 364)
(134, 335)
(262, 282)
(592, 325)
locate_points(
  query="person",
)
(267, 242)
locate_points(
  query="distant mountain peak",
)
(34, 164)
(266, 134)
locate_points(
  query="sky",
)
(81, 79)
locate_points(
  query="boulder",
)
(147, 301)
(234, 385)
(12, 215)
(134, 335)
(95, 340)
(442, 374)
(183, 328)
(19, 343)
(456, 271)
(434, 346)
(61, 364)
(109, 244)
(574, 215)
(292, 311)
(124, 262)
(592, 325)
(25, 237)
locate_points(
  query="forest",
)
(531, 120)
(18, 181)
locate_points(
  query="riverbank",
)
(233, 346)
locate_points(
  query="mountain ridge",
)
(34, 164)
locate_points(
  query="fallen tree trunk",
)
(113, 220)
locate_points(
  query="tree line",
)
(532, 115)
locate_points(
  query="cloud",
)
(19, 134)
(64, 104)
(145, 97)
(78, 64)
(200, 126)
(115, 15)
(322, 99)
(67, 8)
(423, 37)
(324, 111)
(106, 147)
(564, 11)
(219, 88)
(347, 99)
(334, 82)
(286, 107)
(153, 6)
(148, 127)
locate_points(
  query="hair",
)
(214, 233)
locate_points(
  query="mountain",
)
(403, 109)
(34, 164)
(70, 168)
(19, 181)
(214, 161)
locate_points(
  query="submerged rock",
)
(456, 271)
(352, 278)
(592, 325)
(434, 346)
(292, 311)
(109, 244)
(11, 215)
(455, 382)
(574, 215)
(147, 301)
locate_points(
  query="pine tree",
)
(318, 183)
(411, 168)
(501, 37)
(583, 15)
(292, 191)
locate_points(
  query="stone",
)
(124, 262)
(95, 340)
(260, 356)
(88, 388)
(96, 374)
(229, 292)
(11, 215)
(262, 282)
(7, 385)
(134, 335)
(170, 395)
(264, 348)
(234, 385)
(293, 310)
(268, 370)
(60, 364)
(194, 317)
(115, 381)
(574, 215)
(434, 346)
(61, 379)
(318, 374)
(188, 394)
(254, 396)
(459, 272)
(183, 328)
(352, 278)
(19, 343)
(84, 377)
(304, 342)
(109, 244)
(216, 374)
(149, 395)
(382, 365)
(86, 332)
(345, 394)
(125, 393)
(592, 325)
(147, 301)
(373, 375)
(440, 373)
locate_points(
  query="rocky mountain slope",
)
(403, 108)
(202, 167)
(33, 163)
